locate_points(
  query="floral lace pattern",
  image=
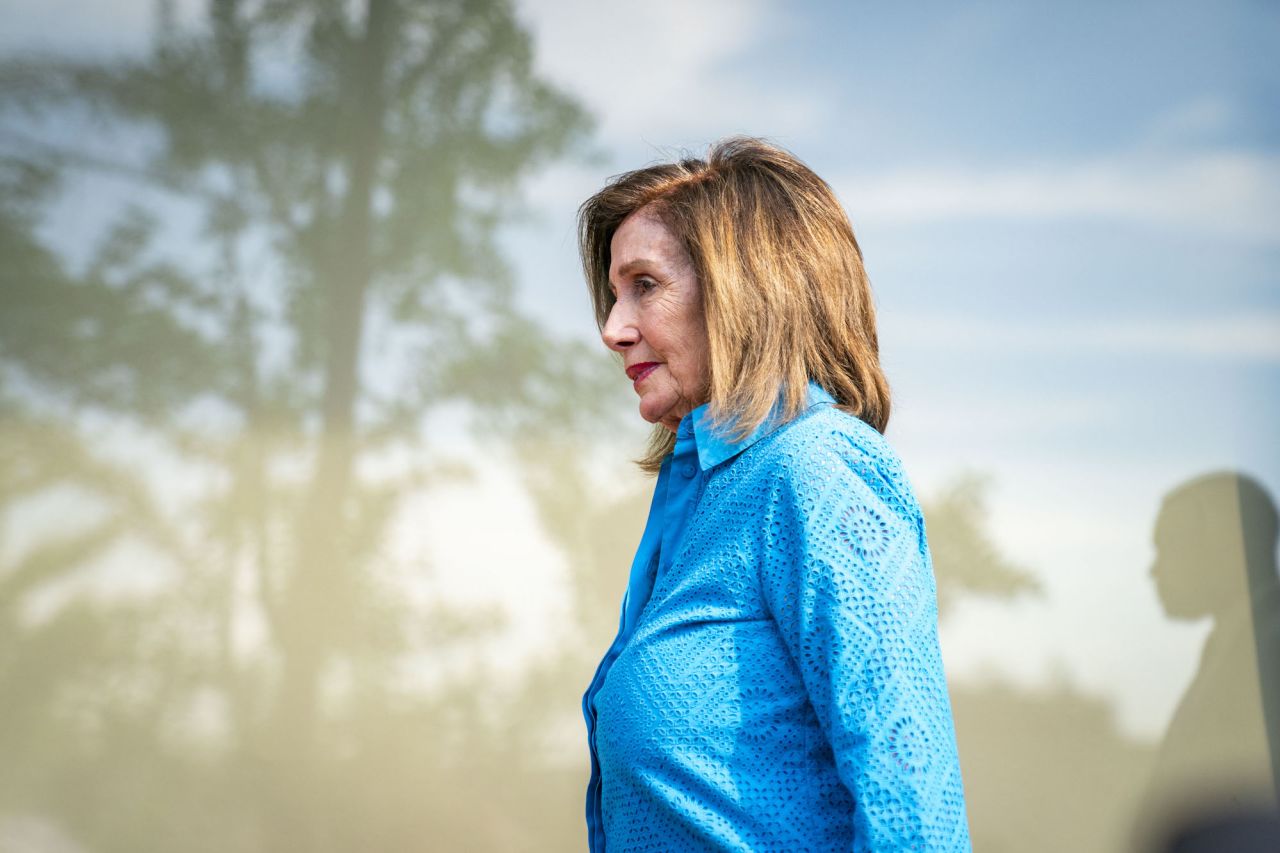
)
(783, 687)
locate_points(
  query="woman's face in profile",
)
(657, 323)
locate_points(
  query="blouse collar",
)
(716, 445)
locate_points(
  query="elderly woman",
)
(776, 682)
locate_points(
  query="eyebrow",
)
(631, 266)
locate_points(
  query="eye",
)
(644, 284)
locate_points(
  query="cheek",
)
(691, 372)
(678, 335)
(699, 346)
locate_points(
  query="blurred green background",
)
(316, 505)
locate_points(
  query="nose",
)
(620, 330)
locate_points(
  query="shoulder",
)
(844, 528)
(828, 456)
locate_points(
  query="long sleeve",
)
(848, 579)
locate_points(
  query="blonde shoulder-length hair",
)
(784, 290)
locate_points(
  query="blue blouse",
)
(776, 682)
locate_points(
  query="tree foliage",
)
(215, 403)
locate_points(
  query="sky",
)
(1071, 218)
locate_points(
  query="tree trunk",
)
(316, 604)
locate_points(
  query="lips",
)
(636, 372)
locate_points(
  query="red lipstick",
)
(637, 372)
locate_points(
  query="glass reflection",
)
(218, 410)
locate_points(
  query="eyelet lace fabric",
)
(782, 687)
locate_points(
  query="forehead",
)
(643, 236)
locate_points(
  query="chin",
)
(654, 410)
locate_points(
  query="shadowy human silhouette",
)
(1215, 540)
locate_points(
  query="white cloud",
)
(1252, 337)
(650, 70)
(1229, 194)
(1255, 337)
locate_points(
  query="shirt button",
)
(688, 470)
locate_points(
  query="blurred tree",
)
(1045, 769)
(965, 560)
(350, 165)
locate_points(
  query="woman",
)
(775, 683)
